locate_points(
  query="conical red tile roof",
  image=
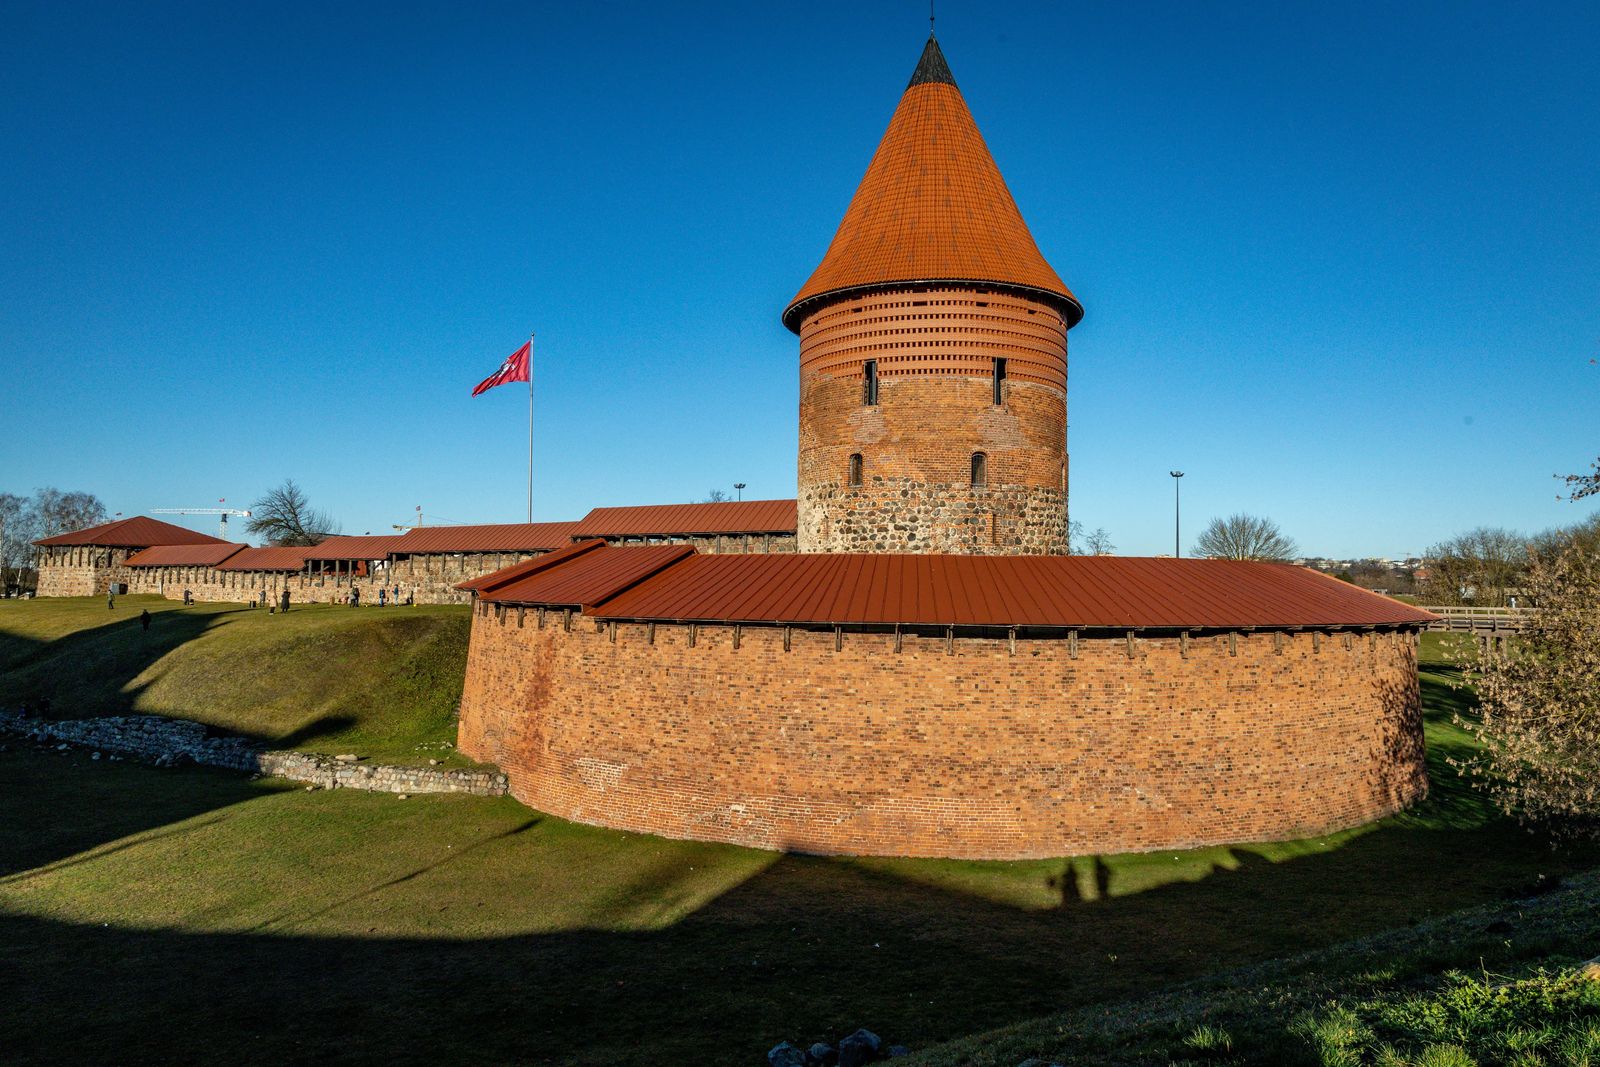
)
(932, 208)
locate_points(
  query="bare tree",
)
(1245, 537)
(57, 512)
(284, 516)
(715, 496)
(1074, 537)
(1583, 485)
(16, 531)
(24, 520)
(1551, 543)
(1482, 566)
(1539, 709)
(1098, 543)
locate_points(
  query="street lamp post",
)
(1177, 527)
(738, 487)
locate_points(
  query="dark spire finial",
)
(930, 18)
(931, 67)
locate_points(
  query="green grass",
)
(1496, 985)
(1543, 1017)
(381, 682)
(280, 924)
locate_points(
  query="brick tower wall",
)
(935, 351)
(973, 749)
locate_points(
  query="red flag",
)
(514, 369)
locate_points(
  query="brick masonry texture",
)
(1062, 748)
(159, 740)
(935, 350)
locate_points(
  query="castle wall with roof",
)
(422, 578)
(972, 749)
(81, 570)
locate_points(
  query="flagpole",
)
(530, 427)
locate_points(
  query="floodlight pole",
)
(738, 487)
(1177, 526)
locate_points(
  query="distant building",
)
(90, 562)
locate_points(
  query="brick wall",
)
(1056, 749)
(935, 352)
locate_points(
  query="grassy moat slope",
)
(384, 682)
(158, 916)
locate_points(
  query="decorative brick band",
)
(978, 747)
(946, 330)
(163, 741)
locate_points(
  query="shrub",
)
(1539, 699)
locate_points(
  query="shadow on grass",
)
(805, 950)
(384, 685)
(808, 948)
(322, 726)
(91, 671)
(57, 808)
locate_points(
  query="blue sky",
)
(1341, 263)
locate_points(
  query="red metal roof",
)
(501, 537)
(932, 207)
(683, 520)
(183, 555)
(589, 577)
(1070, 591)
(141, 531)
(354, 547)
(506, 575)
(270, 558)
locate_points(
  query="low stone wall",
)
(331, 773)
(164, 742)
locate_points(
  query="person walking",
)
(383, 595)
(111, 600)
(355, 596)
(283, 600)
(144, 619)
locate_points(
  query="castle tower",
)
(933, 353)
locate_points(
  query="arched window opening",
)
(855, 468)
(980, 470)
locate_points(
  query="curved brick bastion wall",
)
(972, 747)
